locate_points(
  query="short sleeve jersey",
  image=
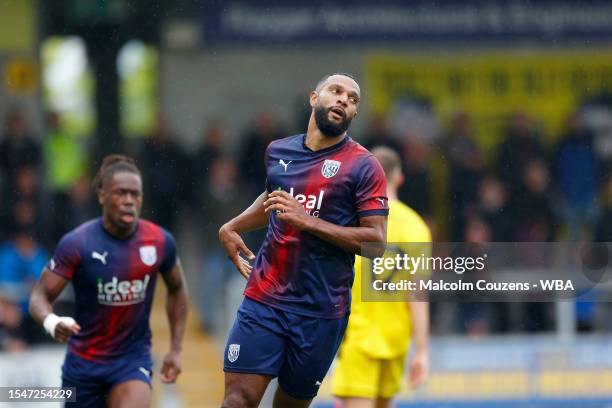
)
(295, 270)
(114, 282)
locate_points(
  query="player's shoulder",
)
(77, 239)
(357, 149)
(361, 154)
(363, 161)
(78, 233)
(153, 231)
(289, 142)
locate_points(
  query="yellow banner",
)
(491, 87)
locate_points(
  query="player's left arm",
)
(419, 366)
(371, 229)
(418, 241)
(176, 310)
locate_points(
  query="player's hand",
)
(234, 246)
(171, 368)
(64, 330)
(288, 209)
(419, 369)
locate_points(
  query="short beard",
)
(327, 127)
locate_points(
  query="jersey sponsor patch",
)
(122, 293)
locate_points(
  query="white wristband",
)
(52, 320)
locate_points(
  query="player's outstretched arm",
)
(371, 229)
(45, 291)
(419, 366)
(250, 219)
(176, 309)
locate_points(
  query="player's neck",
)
(116, 231)
(392, 194)
(315, 140)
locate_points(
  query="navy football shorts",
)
(94, 381)
(295, 348)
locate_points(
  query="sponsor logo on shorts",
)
(233, 351)
(145, 371)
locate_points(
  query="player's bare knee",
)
(240, 398)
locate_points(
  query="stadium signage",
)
(276, 21)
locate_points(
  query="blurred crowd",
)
(523, 190)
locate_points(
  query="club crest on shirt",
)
(233, 351)
(330, 168)
(148, 255)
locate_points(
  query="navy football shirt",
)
(295, 270)
(114, 282)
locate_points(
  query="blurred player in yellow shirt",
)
(370, 366)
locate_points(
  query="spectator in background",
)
(534, 221)
(600, 313)
(22, 259)
(220, 201)
(416, 191)
(466, 169)
(11, 319)
(475, 317)
(213, 140)
(534, 218)
(494, 209)
(254, 145)
(163, 165)
(603, 226)
(82, 204)
(576, 169)
(378, 134)
(18, 148)
(66, 162)
(251, 169)
(520, 147)
(25, 192)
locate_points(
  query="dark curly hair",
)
(114, 163)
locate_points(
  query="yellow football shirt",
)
(383, 329)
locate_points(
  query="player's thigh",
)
(130, 394)
(383, 402)
(254, 353)
(256, 343)
(313, 344)
(87, 395)
(87, 379)
(243, 390)
(391, 377)
(356, 375)
(354, 402)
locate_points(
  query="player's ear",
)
(400, 178)
(100, 192)
(314, 96)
